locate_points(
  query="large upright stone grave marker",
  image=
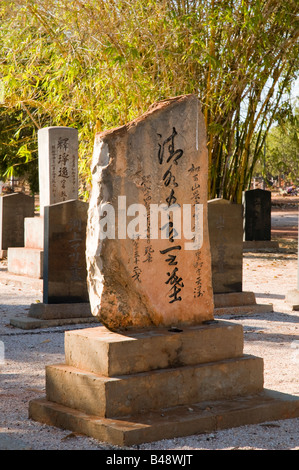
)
(160, 278)
(14, 208)
(163, 367)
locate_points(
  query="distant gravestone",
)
(257, 215)
(14, 208)
(58, 165)
(64, 253)
(226, 240)
(143, 271)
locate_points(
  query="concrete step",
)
(204, 417)
(139, 393)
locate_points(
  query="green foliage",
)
(97, 64)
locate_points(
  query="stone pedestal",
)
(113, 388)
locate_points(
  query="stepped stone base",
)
(128, 388)
(238, 303)
(25, 261)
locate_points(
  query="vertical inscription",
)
(168, 158)
(146, 189)
(194, 173)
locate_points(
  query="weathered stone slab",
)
(58, 165)
(140, 275)
(64, 253)
(226, 241)
(204, 417)
(14, 208)
(107, 353)
(100, 396)
(257, 215)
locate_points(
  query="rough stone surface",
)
(160, 158)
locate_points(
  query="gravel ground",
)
(273, 336)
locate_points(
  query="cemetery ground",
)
(274, 336)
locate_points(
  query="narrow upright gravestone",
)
(58, 182)
(158, 367)
(226, 239)
(257, 219)
(58, 165)
(14, 208)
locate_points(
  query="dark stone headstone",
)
(14, 208)
(226, 241)
(257, 215)
(64, 253)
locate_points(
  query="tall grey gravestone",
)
(64, 253)
(139, 173)
(226, 239)
(58, 165)
(14, 208)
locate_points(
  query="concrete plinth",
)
(142, 386)
(238, 303)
